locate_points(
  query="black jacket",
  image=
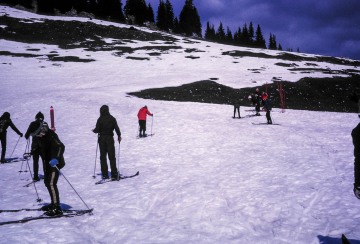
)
(51, 147)
(32, 127)
(5, 122)
(106, 123)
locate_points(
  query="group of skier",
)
(258, 99)
(47, 146)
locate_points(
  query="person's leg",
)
(103, 153)
(112, 158)
(3, 146)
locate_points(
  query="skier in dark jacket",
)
(105, 126)
(52, 152)
(356, 141)
(35, 144)
(267, 107)
(237, 108)
(257, 98)
(5, 122)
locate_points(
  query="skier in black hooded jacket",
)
(356, 141)
(5, 122)
(105, 126)
(35, 145)
(52, 151)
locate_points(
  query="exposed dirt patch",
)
(325, 94)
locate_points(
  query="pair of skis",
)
(66, 214)
(122, 177)
(13, 160)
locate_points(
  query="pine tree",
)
(220, 33)
(137, 9)
(229, 37)
(169, 15)
(189, 20)
(116, 13)
(161, 19)
(272, 42)
(150, 14)
(259, 38)
(251, 34)
(177, 28)
(238, 37)
(210, 32)
(245, 35)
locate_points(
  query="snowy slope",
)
(204, 177)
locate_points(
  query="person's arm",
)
(14, 128)
(117, 130)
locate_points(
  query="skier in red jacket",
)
(143, 112)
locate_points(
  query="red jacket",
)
(143, 112)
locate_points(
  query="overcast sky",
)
(327, 27)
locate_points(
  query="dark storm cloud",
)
(328, 27)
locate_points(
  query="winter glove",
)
(53, 162)
(119, 139)
(21, 135)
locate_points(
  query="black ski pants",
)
(268, 117)
(3, 145)
(142, 124)
(35, 152)
(107, 149)
(51, 178)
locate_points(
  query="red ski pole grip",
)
(52, 118)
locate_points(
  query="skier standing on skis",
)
(267, 107)
(5, 122)
(237, 108)
(51, 151)
(356, 141)
(105, 126)
(143, 112)
(257, 98)
(35, 145)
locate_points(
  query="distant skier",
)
(267, 107)
(356, 141)
(35, 145)
(143, 112)
(52, 151)
(5, 122)
(257, 98)
(237, 108)
(105, 126)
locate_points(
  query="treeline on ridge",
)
(139, 12)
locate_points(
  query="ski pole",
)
(15, 147)
(72, 187)
(118, 163)
(26, 151)
(97, 146)
(152, 120)
(38, 198)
